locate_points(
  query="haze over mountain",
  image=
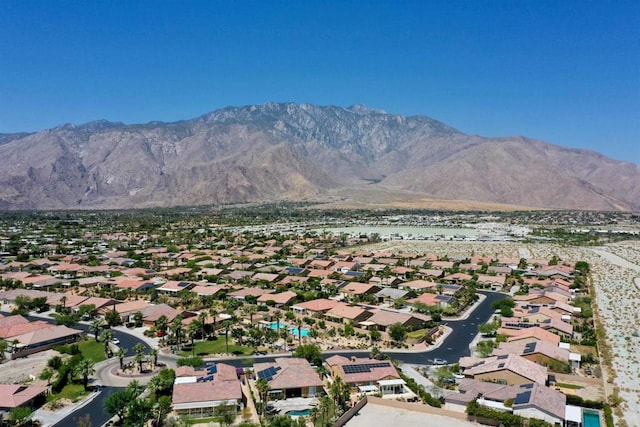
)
(285, 151)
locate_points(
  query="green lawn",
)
(92, 350)
(71, 391)
(203, 348)
(417, 334)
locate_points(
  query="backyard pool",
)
(302, 413)
(590, 419)
(292, 329)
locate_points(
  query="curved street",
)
(455, 345)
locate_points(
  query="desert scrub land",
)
(615, 276)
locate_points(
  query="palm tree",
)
(3, 347)
(154, 354)
(278, 316)
(299, 325)
(161, 325)
(84, 369)
(192, 330)
(202, 318)
(251, 310)
(263, 389)
(227, 326)
(106, 337)
(139, 349)
(214, 313)
(95, 327)
(176, 330)
(121, 353)
(340, 392)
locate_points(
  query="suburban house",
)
(316, 307)
(289, 377)
(541, 352)
(530, 400)
(196, 394)
(506, 369)
(32, 337)
(382, 319)
(19, 395)
(345, 313)
(281, 299)
(433, 300)
(530, 335)
(367, 375)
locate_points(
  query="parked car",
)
(438, 361)
(115, 341)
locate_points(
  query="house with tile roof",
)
(281, 299)
(541, 352)
(19, 395)
(508, 369)
(197, 394)
(363, 373)
(345, 313)
(530, 400)
(290, 377)
(316, 307)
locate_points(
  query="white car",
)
(115, 341)
(438, 361)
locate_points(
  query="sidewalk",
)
(50, 418)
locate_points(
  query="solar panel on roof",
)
(501, 365)
(522, 398)
(502, 356)
(529, 348)
(363, 367)
(212, 369)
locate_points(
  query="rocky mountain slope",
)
(299, 151)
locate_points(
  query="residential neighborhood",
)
(236, 327)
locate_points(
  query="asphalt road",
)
(455, 345)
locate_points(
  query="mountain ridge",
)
(288, 151)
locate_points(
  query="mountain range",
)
(284, 151)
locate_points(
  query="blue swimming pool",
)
(292, 329)
(590, 419)
(302, 413)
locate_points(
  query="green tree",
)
(193, 361)
(263, 390)
(84, 369)
(310, 352)
(139, 357)
(20, 416)
(163, 407)
(340, 393)
(46, 375)
(162, 324)
(137, 319)
(117, 402)
(95, 327)
(121, 353)
(398, 332)
(113, 318)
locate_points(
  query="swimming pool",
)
(291, 329)
(302, 413)
(590, 419)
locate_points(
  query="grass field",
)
(71, 391)
(203, 348)
(92, 350)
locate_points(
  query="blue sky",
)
(567, 72)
